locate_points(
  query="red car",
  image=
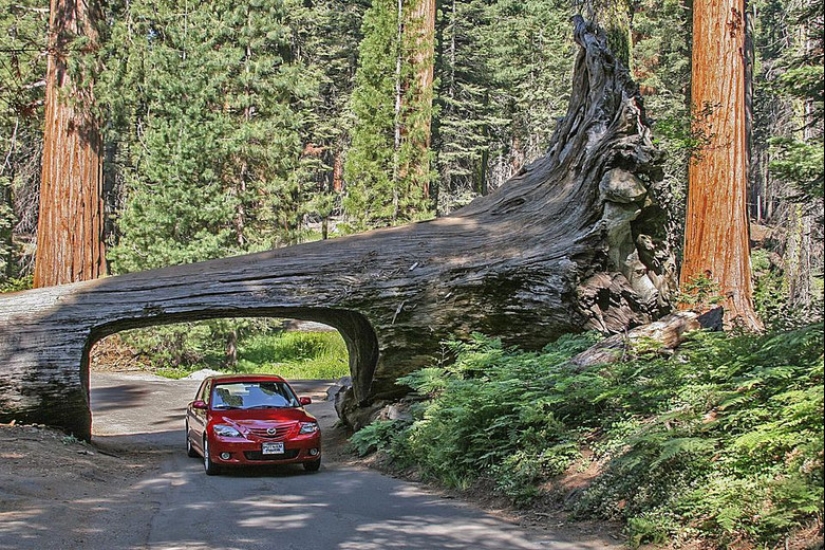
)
(251, 419)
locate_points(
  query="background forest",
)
(231, 128)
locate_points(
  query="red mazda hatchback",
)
(251, 419)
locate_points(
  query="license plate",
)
(276, 448)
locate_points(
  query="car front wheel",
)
(190, 450)
(209, 467)
(313, 466)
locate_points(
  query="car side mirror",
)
(305, 400)
(200, 405)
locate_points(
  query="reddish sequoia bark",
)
(422, 20)
(717, 248)
(571, 243)
(414, 99)
(70, 223)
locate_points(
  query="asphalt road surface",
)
(341, 507)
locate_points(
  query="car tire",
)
(313, 466)
(190, 450)
(209, 467)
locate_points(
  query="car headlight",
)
(308, 428)
(225, 430)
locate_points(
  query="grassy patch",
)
(176, 351)
(293, 355)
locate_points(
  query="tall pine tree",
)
(70, 244)
(327, 34)
(503, 69)
(790, 189)
(211, 151)
(23, 42)
(717, 248)
(387, 170)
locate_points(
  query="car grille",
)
(281, 431)
(258, 455)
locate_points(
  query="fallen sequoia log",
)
(668, 333)
(573, 242)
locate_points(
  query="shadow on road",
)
(117, 397)
(167, 502)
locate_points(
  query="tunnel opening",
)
(290, 348)
(319, 335)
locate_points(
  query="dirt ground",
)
(42, 471)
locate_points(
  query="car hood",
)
(252, 417)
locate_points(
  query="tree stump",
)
(574, 242)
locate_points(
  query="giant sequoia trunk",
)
(570, 244)
(717, 245)
(70, 221)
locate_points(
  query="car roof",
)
(224, 378)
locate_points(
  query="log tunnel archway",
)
(576, 241)
(58, 394)
(354, 328)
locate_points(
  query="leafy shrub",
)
(15, 285)
(181, 346)
(731, 446)
(495, 414)
(772, 295)
(377, 436)
(723, 440)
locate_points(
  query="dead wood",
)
(662, 336)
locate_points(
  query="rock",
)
(395, 411)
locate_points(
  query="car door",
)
(196, 418)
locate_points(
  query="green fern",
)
(671, 448)
(724, 440)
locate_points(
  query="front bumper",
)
(245, 452)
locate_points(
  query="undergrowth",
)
(305, 355)
(178, 350)
(722, 441)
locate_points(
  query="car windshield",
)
(251, 395)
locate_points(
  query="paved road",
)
(340, 507)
